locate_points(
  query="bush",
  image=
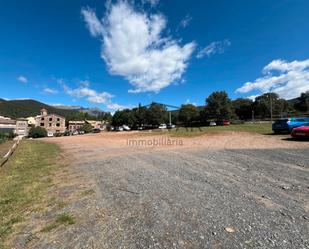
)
(38, 131)
(86, 128)
(6, 136)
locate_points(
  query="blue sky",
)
(114, 54)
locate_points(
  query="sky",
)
(117, 54)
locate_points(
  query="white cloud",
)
(217, 47)
(186, 21)
(50, 90)
(91, 95)
(133, 47)
(288, 79)
(22, 79)
(151, 2)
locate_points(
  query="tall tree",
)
(302, 102)
(218, 105)
(156, 114)
(188, 114)
(243, 108)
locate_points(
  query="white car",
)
(50, 134)
(126, 128)
(162, 126)
(212, 123)
(120, 128)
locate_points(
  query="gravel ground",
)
(234, 190)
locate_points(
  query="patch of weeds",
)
(88, 192)
(62, 219)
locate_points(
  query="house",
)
(95, 124)
(18, 126)
(22, 127)
(31, 121)
(75, 125)
(51, 122)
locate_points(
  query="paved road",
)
(190, 198)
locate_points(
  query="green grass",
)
(263, 128)
(4, 147)
(62, 219)
(23, 183)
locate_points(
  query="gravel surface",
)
(235, 190)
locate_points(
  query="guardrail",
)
(6, 157)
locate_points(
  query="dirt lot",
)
(230, 190)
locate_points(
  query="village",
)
(54, 124)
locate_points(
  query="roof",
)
(76, 121)
(7, 121)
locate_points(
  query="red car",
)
(300, 132)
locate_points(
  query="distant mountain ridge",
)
(28, 108)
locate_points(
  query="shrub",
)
(38, 131)
(86, 128)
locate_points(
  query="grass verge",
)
(23, 182)
(263, 128)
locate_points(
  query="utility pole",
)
(252, 116)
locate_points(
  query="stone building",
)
(75, 125)
(51, 122)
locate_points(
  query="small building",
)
(75, 125)
(51, 122)
(22, 128)
(19, 126)
(7, 124)
(31, 121)
(95, 124)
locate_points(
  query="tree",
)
(37, 132)
(188, 114)
(302, 102)
(262, 105)
(86, 128)
(243, 108)
(218, 105)
(140, 114)
(156, 114)
(124, 117)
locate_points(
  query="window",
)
(58, 119)
(50, 124)
(42, 124)
(50, 119)
(58, 124)
(42, 119)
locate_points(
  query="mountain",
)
(28, 107)
(91, 111)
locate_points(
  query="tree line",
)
(218, 107)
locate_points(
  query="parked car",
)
(212, 123)
(170, 126)
(120, 128)
(126, 128)
(50, 134)
(96, 130)
(81, 132)
(301, 132)
(75, 133)
(162, 126)
(288, 124)
(224, 122)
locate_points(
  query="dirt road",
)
(234, 190)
